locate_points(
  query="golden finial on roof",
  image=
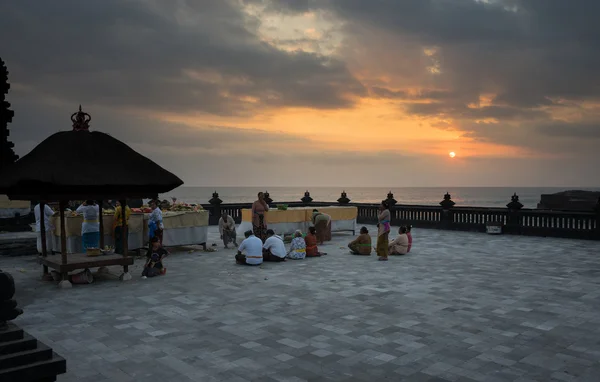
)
(81, 120)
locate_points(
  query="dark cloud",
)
(286, 6)
(178, 56)
(585, 130)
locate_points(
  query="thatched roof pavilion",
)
(84, 165)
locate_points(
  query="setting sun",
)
(452, 154)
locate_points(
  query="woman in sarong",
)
(259, 223)
(383, 231)
(90, 228)
(322, 223)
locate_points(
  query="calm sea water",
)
(462, 196)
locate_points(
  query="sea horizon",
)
(477, 196)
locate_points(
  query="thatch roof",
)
(82, 164)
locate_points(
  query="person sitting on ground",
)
(362, 244)
(227, 229)
(274, 247)
(155, 256)
(298, 247)
(250, 250)
(311, 243)
(399, 246)
(409, 235)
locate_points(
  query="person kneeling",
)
(362, 244)
(250, 250)
(274, 247)
(399, 246)
(156, 254)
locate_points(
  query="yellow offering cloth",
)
(303, 214)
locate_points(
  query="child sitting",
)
(155, 255)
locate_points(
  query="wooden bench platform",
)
(82, 261)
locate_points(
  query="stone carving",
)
(8, 305)
(7, 154)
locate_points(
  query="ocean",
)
(462, 196)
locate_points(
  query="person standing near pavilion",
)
(48, 212)
(118, 226)
(155, 222)
(227, 229)
(90, 228)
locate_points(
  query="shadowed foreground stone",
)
(22, 358)
(460, 307)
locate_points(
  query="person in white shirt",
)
(250, 250)
(48, 212)
(90, 228)
(274, 248)
(227, 229)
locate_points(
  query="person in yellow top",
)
(118, 226)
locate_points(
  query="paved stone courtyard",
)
(459, 307)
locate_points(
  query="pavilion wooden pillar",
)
(101, 224)
(43, 234)
(63, 238)
(124, 227)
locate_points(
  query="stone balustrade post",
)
(513, 220)
(343, 198)
(447, 218)
(215, 202)
(597, 210)
(268, 198)
(392, 205)
(306, 199)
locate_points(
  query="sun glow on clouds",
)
(371, 126)
(309, 32)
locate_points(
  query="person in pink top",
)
(409, 235)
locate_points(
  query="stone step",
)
(46, 370)
(11, 333)
(23, 344)
(41, 353)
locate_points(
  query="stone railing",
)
(514, 219)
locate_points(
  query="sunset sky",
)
(319, 92)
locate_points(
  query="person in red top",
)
(311, 243)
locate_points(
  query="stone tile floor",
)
(460, 307)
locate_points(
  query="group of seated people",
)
(252, 251)
(401, 245)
